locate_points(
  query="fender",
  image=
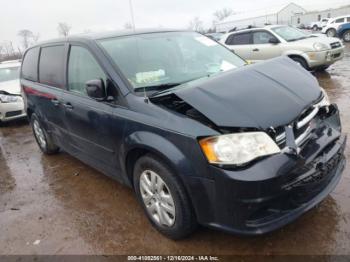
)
(160, 146)
(296, 53)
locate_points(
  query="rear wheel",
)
(331, 32)
(43, 139)
(315, 28)
(163, 198)
(321, 68)
(346, 36)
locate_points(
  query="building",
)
(314, 16)
(276, 15)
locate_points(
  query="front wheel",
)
(301, 61)
(43, 139)
(315, 28)
(163, 198)
(346, 36)
(331, 32)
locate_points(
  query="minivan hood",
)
(12, 87)
(268, 94)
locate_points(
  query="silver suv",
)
(311, 51)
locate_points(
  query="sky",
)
(43, 16)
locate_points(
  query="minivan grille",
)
(302, 129)
(335, 45)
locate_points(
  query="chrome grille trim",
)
(308, 118)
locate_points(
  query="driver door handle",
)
(256, 49)
(68, 106)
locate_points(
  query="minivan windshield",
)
(290, 33)
(157, 61)
(9, 73)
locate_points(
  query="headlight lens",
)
(238, 148)
(320, 46)
(8, 99)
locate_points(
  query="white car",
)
(319, 24)
(332, 26)
(311, 51)
(11, 101)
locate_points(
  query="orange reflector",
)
(208, 150)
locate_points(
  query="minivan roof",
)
(109, 34)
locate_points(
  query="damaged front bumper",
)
(276, 190)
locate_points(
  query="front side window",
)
(340, 20)
(82, 67)
(262, 37)
(289, 33)
(30, 64)
(51, 65)
(9, 73)
(348, 19)
(160, 60)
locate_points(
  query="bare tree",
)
(63, 29)
(221, 14)
(196, 25)
(128, 25)
(26, 36)
(36, 37)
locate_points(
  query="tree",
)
(221, 14)
(26, 36)
(63, 29)
(196, 25)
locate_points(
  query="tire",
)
(42, 138)
(180, 221)
(331, 32)
(346, 36)
(321, 68)
(315, 28)
(301, 61)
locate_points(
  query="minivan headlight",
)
(325, 99)
(8, 99)
(238, 148)
(320, 46)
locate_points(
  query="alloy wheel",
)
(347, 37)
(157, 198)
(39, 134)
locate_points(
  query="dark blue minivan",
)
(202, 137)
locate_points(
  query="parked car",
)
(332, 26)
(11, 102)
(215, 36)
(319, 24)
(199, 135)
(344, 32)
(310, 51)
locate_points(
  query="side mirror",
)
(273, 40)
(96, 89)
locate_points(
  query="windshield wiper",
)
(159, 87)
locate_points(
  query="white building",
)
(276, 15)
(314, 16)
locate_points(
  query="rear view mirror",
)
(273, 40)
(96, 89)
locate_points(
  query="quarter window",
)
(30, 64)
(82, 67)
(51, 66)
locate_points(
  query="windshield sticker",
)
(226, 66)
(149, 77)
(206, 41)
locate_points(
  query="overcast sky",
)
(42, 16)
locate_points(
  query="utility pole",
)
(132, 15)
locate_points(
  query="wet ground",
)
(58, 205)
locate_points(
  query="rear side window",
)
(51, 66)
(239, 39)
(30, 64)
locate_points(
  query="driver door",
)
(261, 48)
